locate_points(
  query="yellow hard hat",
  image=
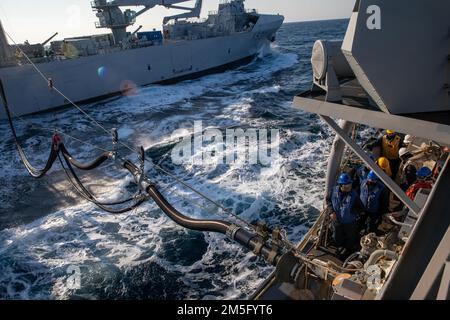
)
(390, 132)
(384, 163)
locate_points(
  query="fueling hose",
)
(58, 148)
(85, 167)
(252, 241)
(175, 215)
(242, 236)
(376, 255)
(87, 195)
(34, 172)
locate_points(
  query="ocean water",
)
(46, 231)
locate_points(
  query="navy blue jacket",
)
(375, 198)
(347, 206)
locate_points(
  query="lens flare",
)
(128, 88)
(102, 72)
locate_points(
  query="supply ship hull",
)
(81, 80)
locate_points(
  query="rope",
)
(56, 89)
(57, 130)
(96, 123)
(202, 207)
(121, 142)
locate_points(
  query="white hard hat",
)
(402, 152)
(408, 139)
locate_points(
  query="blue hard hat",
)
(372, 176)
(424, 172)
(345, 179)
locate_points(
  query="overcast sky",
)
(36, 20)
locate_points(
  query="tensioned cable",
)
(95, 122)
(57, 130)
(56, 89)
(126, 145)
(57, 148)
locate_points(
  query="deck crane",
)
(112, 17)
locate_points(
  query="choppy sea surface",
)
(47, 232)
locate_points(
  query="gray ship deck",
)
(356, 107)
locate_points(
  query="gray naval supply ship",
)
(94, 67)
(391, 71)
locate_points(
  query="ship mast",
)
(5, 49)
(112, 17)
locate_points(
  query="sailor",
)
(424, 181)
(375, 199)
(408, 141)
(373, 145)
(441, 161)
(407, 174)
(390, 145)
(385, 164)
(346, 209)
(361, 173)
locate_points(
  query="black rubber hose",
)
(186, 222)
(95, 164)
(87, 195)
(245, 238)
(34, 172)
(85, 167)
(242, 236)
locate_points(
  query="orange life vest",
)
(391, 148)
(412, 191)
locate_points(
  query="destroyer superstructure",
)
(93, 67)
(391, 71)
